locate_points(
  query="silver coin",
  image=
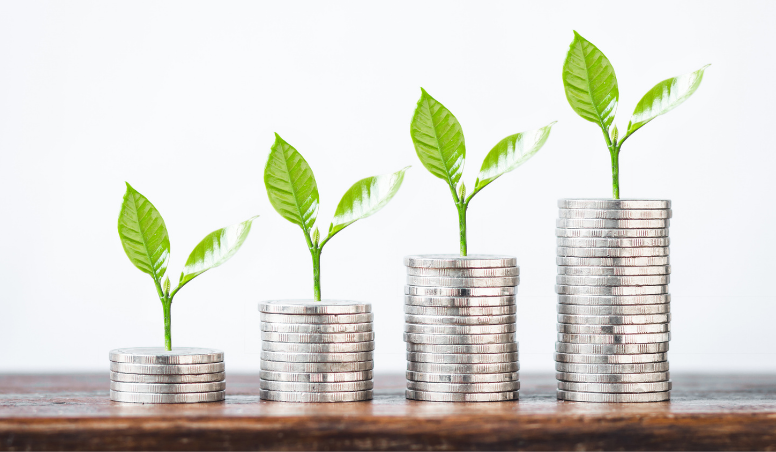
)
(310, 307)
(460, 291)
(490, 368)
(291, 386)
(613, 378)
(450, 311)
(461, 302)
(315, 397)
(572, 396)
(167, 379)
(614, 338)
(333, 347)
(457, 339)
(616, 214)
(613, 280)
(275, 366)
(432, 281)
(510, 347)
(613, 329)
(639, 309)
(457, 358)
(460, 319)
(615, 271)
(164, 369)
(460, 329)
(611, 290)
(464, 272)
(614, 319)
(611, 349)
(317, 357)
(612, 252)
(466, 388)
(159, 355)
(612, 368)
(318, 318)
(614, 204)
(317, 328)
(316, 377)
(167, 388)
(613, 261)
(611, 233)
(610, 359)
(578, 223)
(456, 261)
(309, 338)
(462, 378)
(196, 397)
(649, 242)
(460, 397)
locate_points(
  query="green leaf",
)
(510, 153)
(143, 234)
(664, 97)
(215, 249)
(438, 139)
(590, 83)
(365, 198)
(291, 185)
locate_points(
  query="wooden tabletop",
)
(708, 412)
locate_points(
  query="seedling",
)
(145, 240)
(293, 193)
(439, 143)
(591, 89)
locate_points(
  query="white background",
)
(181, 99)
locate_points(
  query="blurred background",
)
(181, 99)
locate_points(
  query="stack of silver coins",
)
(613, 302)
(155, 375)
(460, 328)
(316, 351)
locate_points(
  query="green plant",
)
(145, 240)
(439, 143)
(293, 193)
(591, 89)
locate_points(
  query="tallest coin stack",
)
(613, 301)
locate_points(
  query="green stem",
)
(167, 307)
(317, 273)
(615, 153)
(462, 226)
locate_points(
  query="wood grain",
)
(72, 412)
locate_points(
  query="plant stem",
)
(167, 307)
(317, 273)
(461, 206)
(615, 153)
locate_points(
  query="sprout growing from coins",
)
(293, 193)
(144, 238)
(439, 143)
(591, 89)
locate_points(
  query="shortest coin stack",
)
(155, 375)
(316, 351)
(459, 326)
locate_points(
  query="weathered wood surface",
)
(66, 412)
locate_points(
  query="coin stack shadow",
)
(460, 328)
(155, 375)
(316, 351)
(613, 302)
